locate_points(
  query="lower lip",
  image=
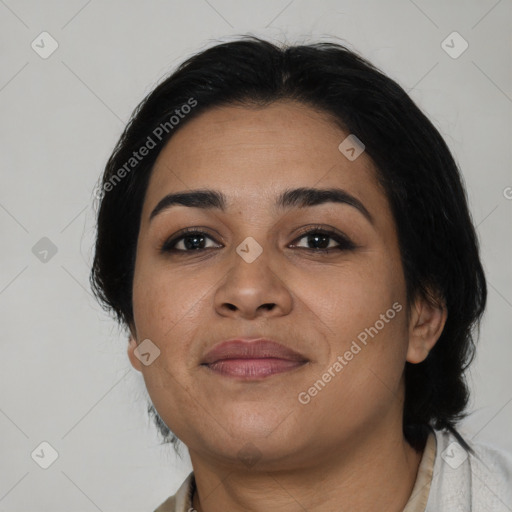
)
(253, 368)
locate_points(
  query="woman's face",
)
(256, 273)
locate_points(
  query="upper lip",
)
(259, 348)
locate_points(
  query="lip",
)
(252, 359)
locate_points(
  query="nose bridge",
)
(254, 232)
(252, 281)
(252, 262)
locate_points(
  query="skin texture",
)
(344, 450)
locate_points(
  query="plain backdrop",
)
(65, 378)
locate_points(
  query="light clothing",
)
(419, 496)
(463, 482)
(449, 479)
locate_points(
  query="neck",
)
(377, 472)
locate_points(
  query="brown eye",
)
(321, 240)
(189, 241)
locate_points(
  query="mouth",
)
(252, 359)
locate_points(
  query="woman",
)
(287, 239)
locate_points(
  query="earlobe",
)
(135, 362)
(426, 325)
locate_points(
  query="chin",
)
(252, 420)
(257, 452)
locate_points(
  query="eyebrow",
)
(293, 198)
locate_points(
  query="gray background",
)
(64, 374)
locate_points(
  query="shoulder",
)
(182, 500)
(461, 481)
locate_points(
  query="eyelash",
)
(344, 243)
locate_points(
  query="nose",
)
(252, 290)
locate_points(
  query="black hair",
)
(437, 239)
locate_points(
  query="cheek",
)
(366, 313)
(353, 299)
(168, 310)
(161, 299)
(362, 381)
(162, 310)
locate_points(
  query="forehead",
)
(256, 152)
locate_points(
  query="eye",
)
(319, 239)
(188, 240)
(316, 239)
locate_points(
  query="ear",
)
(136, 363)
(426, 323)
